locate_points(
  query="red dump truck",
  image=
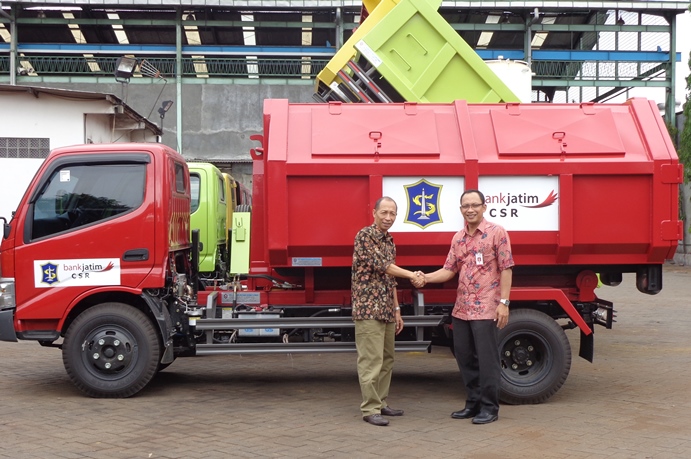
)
(97, 260)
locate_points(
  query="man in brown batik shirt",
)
(376, 312)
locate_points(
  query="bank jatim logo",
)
(107, 268)
(549, 200)
(423, 203)
(530, 201)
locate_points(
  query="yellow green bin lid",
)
(420, 55)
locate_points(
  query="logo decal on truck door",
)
(50, 273)
(78, 272)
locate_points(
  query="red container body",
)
(587, 185)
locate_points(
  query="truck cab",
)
(209, 207)
(99, 244)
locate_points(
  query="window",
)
(221, 190)
(179, 178)
(19, 147)
(233, 197)
(195, 183)
(79, 195)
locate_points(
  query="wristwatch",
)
(505, 302)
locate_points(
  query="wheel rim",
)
(109, 352)
(526, 358)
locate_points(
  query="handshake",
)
(418, 280)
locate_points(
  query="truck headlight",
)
(7, 299)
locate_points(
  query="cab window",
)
(221, 190)
(79, 195)
(195, 183)
(179, 178)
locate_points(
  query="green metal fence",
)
(599, 70)
(234, 67)
(249, 67)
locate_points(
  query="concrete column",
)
(178, 79)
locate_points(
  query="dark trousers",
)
(477, 355)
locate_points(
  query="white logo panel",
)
(445, 195)
(524, 203)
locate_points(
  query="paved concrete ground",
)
(634, 401)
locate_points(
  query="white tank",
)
(516, 75)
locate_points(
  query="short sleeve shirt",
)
(372, 289)
(479, 259)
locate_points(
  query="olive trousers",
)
(375, 355)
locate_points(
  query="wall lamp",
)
(165, 106)
(124, 69)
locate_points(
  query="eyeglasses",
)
(473, 206)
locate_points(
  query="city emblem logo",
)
(49, 273)
(423, 203)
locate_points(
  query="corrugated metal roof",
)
(300, 4)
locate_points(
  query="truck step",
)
(304, 322)
(300, 348)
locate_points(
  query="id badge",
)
(478, 259)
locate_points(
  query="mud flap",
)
(165, 325)
(587, 346)
(168, 354)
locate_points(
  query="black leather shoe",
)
(465, 413)
(376, 419)
(485, 418)
(388, 411)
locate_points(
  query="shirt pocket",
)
(489, 256)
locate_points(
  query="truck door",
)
(202, 213)
(89, 223)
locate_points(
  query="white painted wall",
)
(99, 129)
(58, 118)
(15, 176)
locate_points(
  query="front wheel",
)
(535, 357)
(111, 350)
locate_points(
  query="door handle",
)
(136, 255)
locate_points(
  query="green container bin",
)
(424, 59)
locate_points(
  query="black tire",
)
(111, 350)
(535, 356)
(243, 208)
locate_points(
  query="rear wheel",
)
(535, 357)
(111, 350)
